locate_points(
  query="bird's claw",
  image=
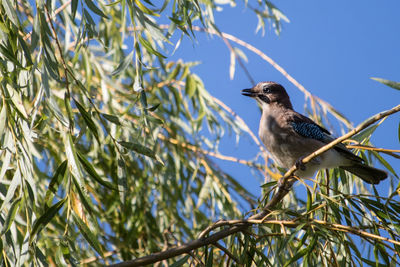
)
(300, 165)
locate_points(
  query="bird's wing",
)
(309, 129)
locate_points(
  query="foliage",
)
(107, 146)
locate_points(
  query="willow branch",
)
(390, 152)
(59, 50)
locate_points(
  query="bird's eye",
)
(267, 90)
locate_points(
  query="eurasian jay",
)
(290, 136)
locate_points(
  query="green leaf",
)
(297, 256)
(74, 7)
(111, 118)
(10, 11)
(54, 109)
(144, 9)
(15, 183)
(153, 108)
(16, 99)
(210, 258)
(180, 262)
(173, 74)
(269, 184)
(67, 104)
(366, 133)
(71, 156)
(395, 85)
(59, 174)
(83, 195)
(143, 100)
(92, 172)
(26, 50)
(149, 47)
(11, 215)
(6, 52)
(88, 235)
(114, 3)
(95, 9)
(122, 179)
(88, 119)
(123, 65)
(90, 23)
(154, 119)
(76, 174)
(46, 217)
(3, 120)
(190, 87)
(309, 200)
(141, 150)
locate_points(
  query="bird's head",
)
(267, 93)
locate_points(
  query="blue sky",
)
(331, 47)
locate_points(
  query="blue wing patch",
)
(309, 130)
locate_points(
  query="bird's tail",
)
(369, 174)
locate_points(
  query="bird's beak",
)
(249, 92)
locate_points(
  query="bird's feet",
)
(300, 165)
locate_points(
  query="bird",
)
(290, 136)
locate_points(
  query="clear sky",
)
(331, 47)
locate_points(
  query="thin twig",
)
(390, 152)
(96, 258)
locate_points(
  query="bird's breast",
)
(277, 140)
